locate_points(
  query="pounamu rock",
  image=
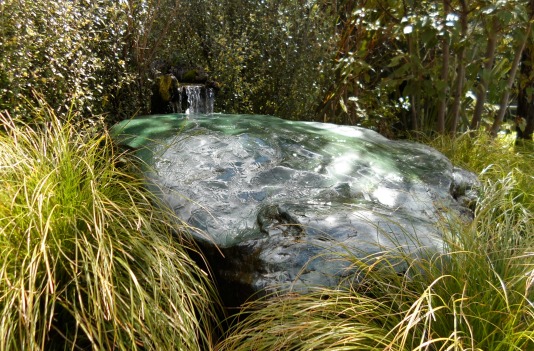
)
(275, 201)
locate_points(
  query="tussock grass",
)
(493, 159)
(88, 260)
(476, 295)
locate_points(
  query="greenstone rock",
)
(280, 199)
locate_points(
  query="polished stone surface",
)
(281, 198)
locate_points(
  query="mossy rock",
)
(190, 76)
(165, 94)
(166, 84)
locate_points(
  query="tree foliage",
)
(394, 66)
(65, 51)
(270, 57)
(427, 62)
(93, 56)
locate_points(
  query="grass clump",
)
(88, 261)
(493, 159)
(476, 295)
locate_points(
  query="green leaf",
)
(343, 106)
(395, 61)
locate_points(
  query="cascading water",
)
(193, 98)
(200, 99)
(169, 96)
(210, 100)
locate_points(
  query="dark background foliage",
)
(426, 66)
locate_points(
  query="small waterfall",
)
(210, 100)
(169, 96)
(197, 99)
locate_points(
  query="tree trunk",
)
(525, 104)
(486, 71)
(458, 92)
(511, 79)
(442, 108)
(412, 54)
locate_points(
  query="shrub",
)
(65, 51)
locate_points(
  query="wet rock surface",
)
(275, 201)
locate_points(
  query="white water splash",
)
(200, 99)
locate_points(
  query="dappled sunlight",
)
(343, 165)
(305, 209)
(237, 161)
(271, 195)
(386, 196)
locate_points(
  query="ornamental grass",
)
(88, 260)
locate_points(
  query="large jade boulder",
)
(275, 202)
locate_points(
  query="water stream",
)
(200, 99)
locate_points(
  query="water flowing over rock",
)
(169, 96)
(275, 201)
(200, 99)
